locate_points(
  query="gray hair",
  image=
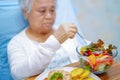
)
(26, 4)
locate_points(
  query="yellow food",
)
(76, 72)
(85, 74)
(79, 79)
(80, 74)
(89, 78)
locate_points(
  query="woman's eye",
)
(42, 11)
(52, 10)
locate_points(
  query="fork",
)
(85, 41)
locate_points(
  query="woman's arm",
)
(28, 60)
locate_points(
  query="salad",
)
(97, 57)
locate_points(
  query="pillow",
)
(11, 22)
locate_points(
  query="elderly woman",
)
(39, 46)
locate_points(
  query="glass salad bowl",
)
(97, 57)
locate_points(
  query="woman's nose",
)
(48, 15)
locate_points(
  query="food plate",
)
(68, 69)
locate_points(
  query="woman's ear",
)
(25, 13)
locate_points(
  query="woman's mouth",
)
(48, 24)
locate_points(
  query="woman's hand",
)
(65, 31)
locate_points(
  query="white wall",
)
(100, 19)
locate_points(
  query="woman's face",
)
(42, 16)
